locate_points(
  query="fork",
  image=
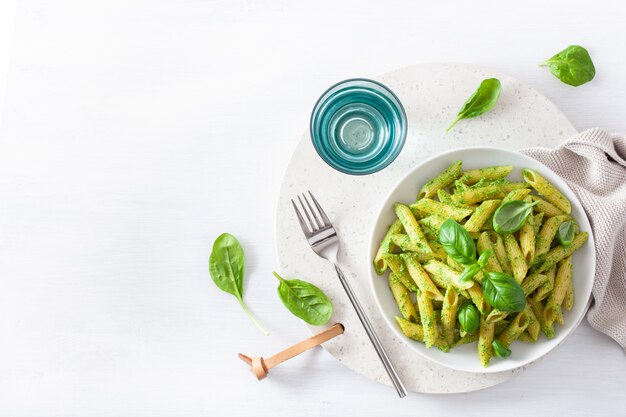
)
(323, 239)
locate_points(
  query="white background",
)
(134, 132)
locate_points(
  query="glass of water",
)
(358, 126)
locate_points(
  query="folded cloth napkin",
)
(593, 163)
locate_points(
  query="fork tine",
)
(313, 224)
(321, 211)
(320, 223)
(303, 225)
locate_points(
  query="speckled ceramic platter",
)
(432, 95)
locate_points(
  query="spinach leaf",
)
(469, 272)
(305, 300)
(469, 317)
(483, 100)
(566, 233)
(500, 350)
(484, 257)
(226, 268)
(501, 291)
(510, 216)
(573, 66)
(457, 242)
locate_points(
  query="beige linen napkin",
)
(593, 163)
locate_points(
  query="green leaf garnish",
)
(483, 100)
(510, 216)
(500, 350)
(501, 291)
(573, 66)
(566, 233)
(305, 300)
(226, 268)
(457, 242)
(469, 317)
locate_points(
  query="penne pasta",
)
(537, 307)
(515, 329)
(476, 294)
(568, 301)
(429, 322)
(454, 264)
(515, 257)
(482, 245)
(406, 244)
(518, 194)
(547, 233)
(401, 295)
(421, 278)
(438, 280)
(532, 282)
(438, 250)
(488, 225)
(412, 227)
(544, 289)
(430, 233)
(537, 223)
(398, 268)
(559, 315)
(490, 192)
(430, 207)
(432, 222)
(480, 215)
(562, 281)
(485, 337)
(526, 337)
(468, 338)
(534, 327)
(542, 206)
(496, 315)
(448, 314)
(446, 198)
(489, 173)
(560, 252)
(411, 330)
(442, 180)
(385, 247)
(500, 251)
(448, 275)
(484, 182)
(547, 190)
(500, 325)
(460, 186)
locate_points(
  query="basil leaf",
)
(483, 100)
(226, 268)
(500, 350)
(469, 317)
(469, 272)
(510, 216)
(484, 257)
(501, 291)
(573, 66)
(305, 300)
(566, 233)
(457, 242)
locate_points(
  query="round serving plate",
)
(431, 95)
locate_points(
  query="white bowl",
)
(464, 358)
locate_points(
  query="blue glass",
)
(358, 126)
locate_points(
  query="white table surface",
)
(134, 132)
